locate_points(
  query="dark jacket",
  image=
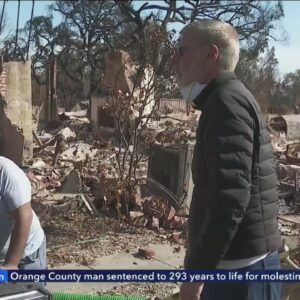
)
(233, 213)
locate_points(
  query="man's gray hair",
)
(221, 34)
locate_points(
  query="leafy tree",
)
(94, 27)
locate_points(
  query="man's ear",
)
(213, 52)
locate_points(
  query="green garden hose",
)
(66, 296)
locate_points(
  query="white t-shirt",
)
(15, 191)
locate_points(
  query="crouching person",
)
(22, 239)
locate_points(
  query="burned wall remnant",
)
(16, 110)
(121, 75)
(118, 72)
(11, 138)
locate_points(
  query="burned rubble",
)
(81, 177)
(79, 183)
(75, 176)
(93, 162)
(286, 143)
(73, 160)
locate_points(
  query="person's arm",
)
(23, 219)
(15, 191)
(228, 152)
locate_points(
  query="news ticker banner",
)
(148, 276)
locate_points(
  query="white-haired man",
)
(233, 213)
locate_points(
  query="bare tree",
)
(96, 27)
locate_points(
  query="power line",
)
(17, 28)
(2, 14)
(30, 27)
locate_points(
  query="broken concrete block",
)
(39, 164)
(79, 152)
(146, 253)
(73, 184)
(135, 214)
(154, 223)
(170, 213)
(68, 134)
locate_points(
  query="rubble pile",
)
(153, 212)
(172, 134)
(74, 171)
(156, 213)
(287, 150)
(74, 168)
(176, 128)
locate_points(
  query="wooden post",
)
(51, 101)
